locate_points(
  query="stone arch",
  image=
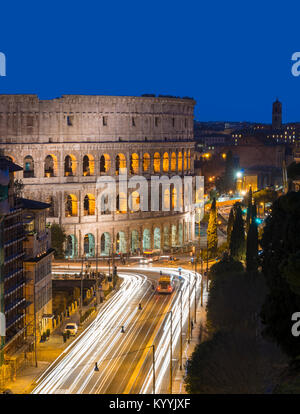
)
(121, 203)
(134, 241)
(184, 161)
(157, 238)
(134, 163)
(173, 161)
(120, 162)
(89, 205)
(89, 245)
(166, 237)
(50, 166)
(105, 207)
(135, 201)
(28, 169)
(179, 161)
(173, 235)
(71, 206)
(166, 200)
(105, 244)
(156, 162)
(146, 162)
(104, 163)
(146, 239)
(88, 165)
(70, 165)
(180, 234)
(165, 162)
(71, 246)
(51, 211)
(121, 242)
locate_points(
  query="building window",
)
(133, 121)
(156, 121)
(70, 120)
(104, 120)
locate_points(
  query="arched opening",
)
(135, 201)
(88, 165)
(157, 238)
(134, 163)
(71, 209)
(104, 163)
(28, 171)
(166, 200)
(173, 161)
(134, 241)
(180, 234)
(179, 161)
(71, 246)
(70, 165)
(185, 161)
(89, 245)
(166, 162)
(105, 208)
(50, 166)
(156, 162)
(146, 239)
(174, 198)
(146, 162)
(189, 159)
(121, 206)
(89, 205)
(166, 237)
(121, 242)
(120, 163)
(105, 244)
(173, 235)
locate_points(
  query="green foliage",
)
(237, 240)
(229, 174)
(58, 237)
(252, 248)
(280, 266)
(212, 235)
(226, 265)
(249, 210)
(265, 195)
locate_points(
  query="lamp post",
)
(201, 277)
(171, 351)
(189, 318)
(180, 363)
(81, 287)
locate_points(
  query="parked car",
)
(72, 327)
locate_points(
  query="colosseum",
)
(65, 144)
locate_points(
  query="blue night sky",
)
(233, 57)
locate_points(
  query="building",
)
(66, 144)
(277, 115)
(13, 298)
(37, 267)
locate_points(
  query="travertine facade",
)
(65, 144)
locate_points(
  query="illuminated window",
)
(89, 205)
(173, 161)
(88, 165)
(134, 163)
(179, 161)
(166, 162)
(71, 209)
(156, 162)
(146, 162)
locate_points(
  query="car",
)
(72, 328)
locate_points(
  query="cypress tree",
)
(229, 182)
(252, 247)
(212, 235)
(230, 225)
(237, 239)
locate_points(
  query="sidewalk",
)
(47, 352)
(178, 386)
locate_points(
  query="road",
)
(125, 359)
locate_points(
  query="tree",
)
(280, 266)
(212, 235)
(226, 265)
(252, 247)
(230, 225)
(237, 239)
(58, 237)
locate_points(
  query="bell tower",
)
(277, 115)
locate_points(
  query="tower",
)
(277, 115)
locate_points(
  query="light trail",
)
(96, 342)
